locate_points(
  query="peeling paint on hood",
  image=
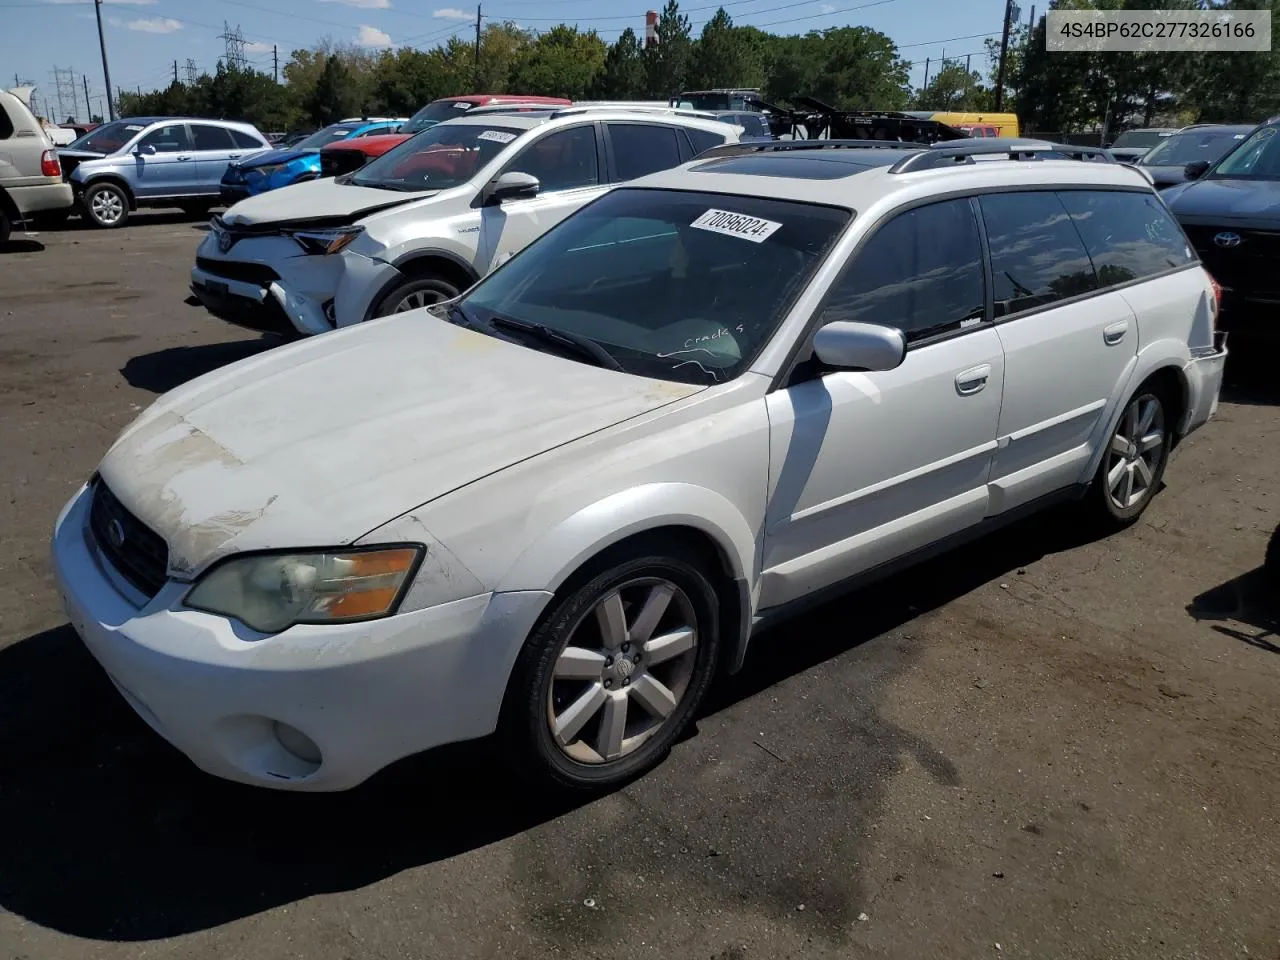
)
(317, 443)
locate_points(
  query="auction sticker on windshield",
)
(498, 136)
(736, 225)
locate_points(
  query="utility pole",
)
(1031, 21)
(476, 81)
(1004, 49)
(88, 117)
(275, 61)
(175, 71)
(925, 85)
(106, 73)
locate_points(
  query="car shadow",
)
(1245, 608)
(156, 216)
(163, 370)
(22, 245)
(111, 834)
(1249, 377)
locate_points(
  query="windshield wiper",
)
(459, 315)
(583, 346)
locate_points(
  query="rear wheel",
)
(107, 205)
(613, 673)
(414, 294)
(1134, 461)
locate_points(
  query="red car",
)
(344, 156)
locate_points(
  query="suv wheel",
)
(613, 673)
(1272, 566)
(107, 205)
(1134, 461)
(415, 293)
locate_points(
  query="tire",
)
(1132, 467)
(558, 726)
(106, 205)
(414, 293)
(1271, 567)
(6, 226)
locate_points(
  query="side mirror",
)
(1196, 169)
(511, 186)
(860, 346)
(144, 150)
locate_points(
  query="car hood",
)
(265, 157)
(320, 442)
(316, 200)
(374, 146)
(80, 154)
(1164, 175)
(1227, 202)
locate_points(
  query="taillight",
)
(49, 166)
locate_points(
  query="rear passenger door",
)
(868, 467)
(1067, 341)
(213, 148)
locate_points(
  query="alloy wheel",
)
(418, 299)
(623, 670)
(107, 206)
(1133, 458)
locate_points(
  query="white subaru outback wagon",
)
(553, 506)
(427, 219)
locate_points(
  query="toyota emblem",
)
(1228, 239)
(115, 533)
(224, 241)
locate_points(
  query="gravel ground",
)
(1037, 746)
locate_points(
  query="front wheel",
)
(107, 205)
(1134, 461)
(414, 294)
(613, 673)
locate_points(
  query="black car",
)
(1167, 161)
(1230, 210)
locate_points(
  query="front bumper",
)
(365, 694)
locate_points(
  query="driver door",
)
(567, 165)
(171, 170)
(868, 467)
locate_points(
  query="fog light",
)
(296, 742)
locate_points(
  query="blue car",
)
(281, 167)
(153, 162)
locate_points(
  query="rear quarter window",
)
(6, 124)
(245, 140)
(703, 140)
(1129, 236)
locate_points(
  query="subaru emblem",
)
(1227, 239)
(115, 533)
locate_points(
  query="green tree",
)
(622, 77)
(667, 61)
(726, 56)
(561, 63)
(953, 88)
(502, 47)
(334, 96)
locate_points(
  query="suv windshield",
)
(1257, 158)
(108, 138)
(1138, 139)
(1184, 148)
(337, 131)
(437, 112)
(684, 286)
(447, 155)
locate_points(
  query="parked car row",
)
(667, 389)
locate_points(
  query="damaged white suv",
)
(556, 506)
(427, 219)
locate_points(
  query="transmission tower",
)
(234, 41)
(64, 86)
(191, 70)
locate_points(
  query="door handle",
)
(233, 156)
(973, 379)
(1115, 332)
(183, 157)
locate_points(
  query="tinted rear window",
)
(1037, 256)
(1128, 235)
(703, 140)
(243, 139)
(640, 149)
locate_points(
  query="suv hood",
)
(264, 157)
(1227, 202)
(315, 200)
(320, 442)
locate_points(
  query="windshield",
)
(1184, 148)
(711, 101)
(683, 286)
(1257, 158)
(1138, 138)
(328, 135)
(446, 155)
(108, 138)
(434, 113)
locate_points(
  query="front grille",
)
(138, 553)
(1247, 268)
(337, 162)
(258, 273)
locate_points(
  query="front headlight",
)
(266, 170)
(269, 592)
(326, 242)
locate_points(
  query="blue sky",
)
(144, 37)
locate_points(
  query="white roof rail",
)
(637, 108)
